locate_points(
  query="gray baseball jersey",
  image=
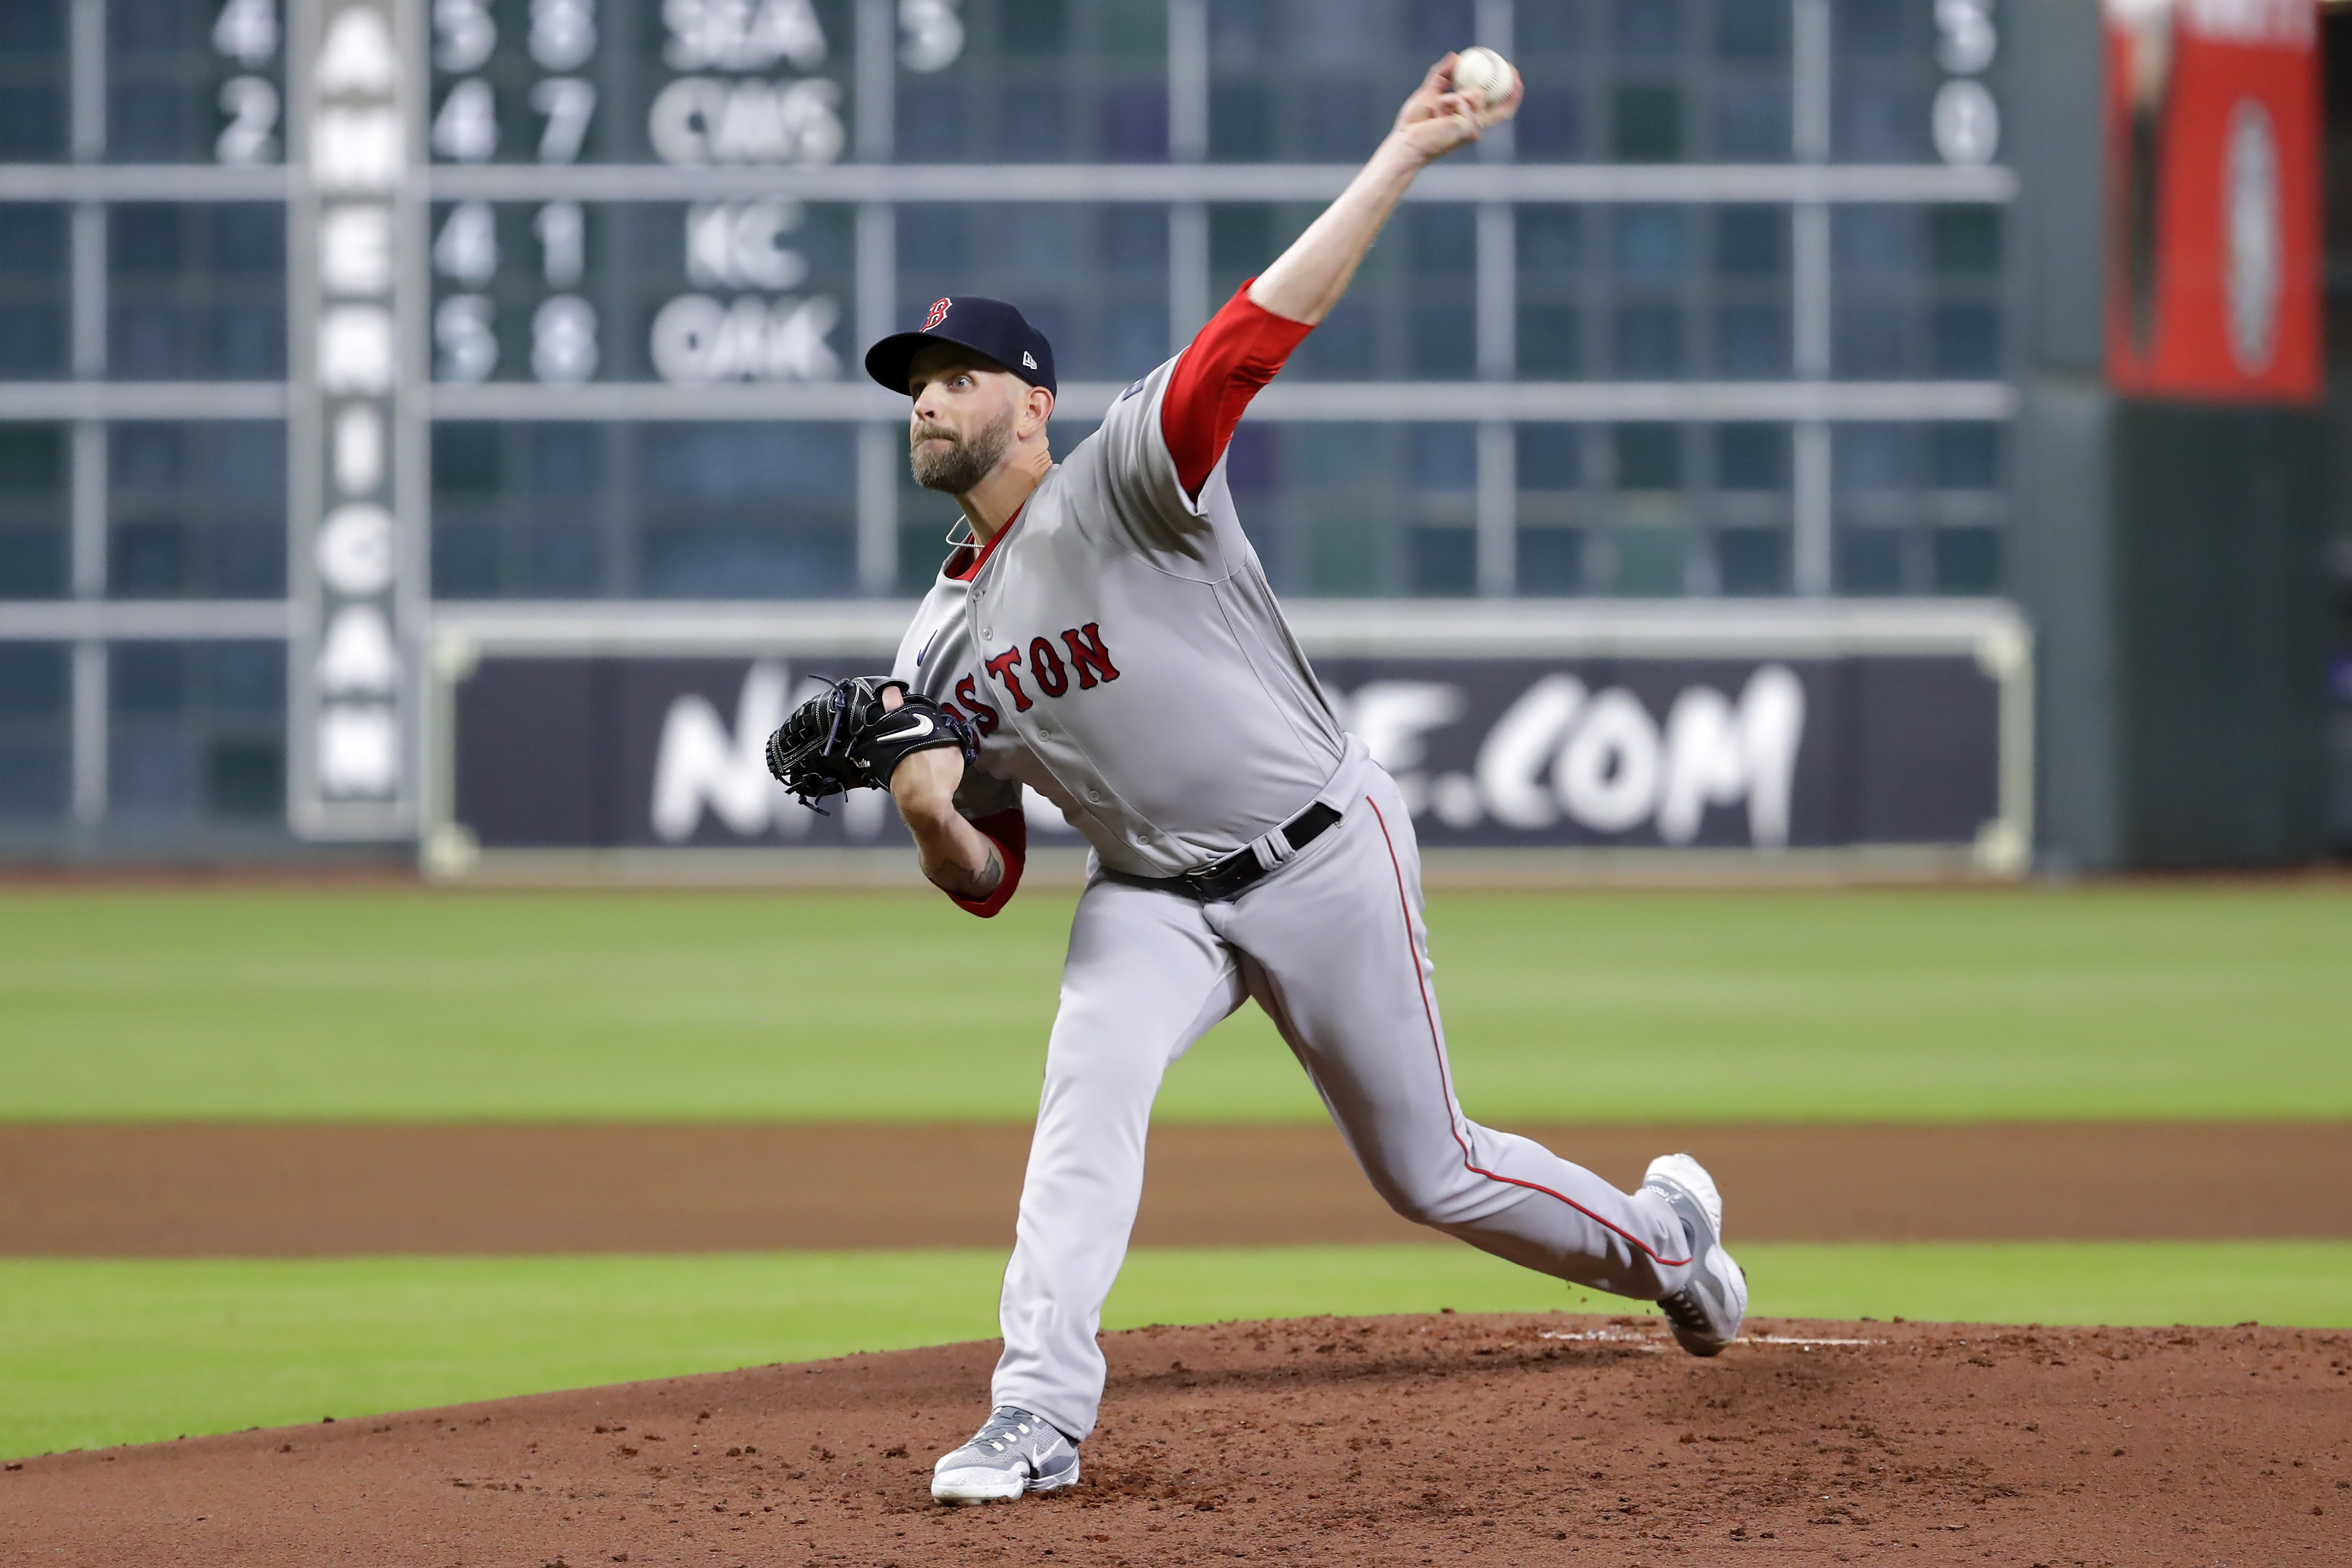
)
(1122, 654)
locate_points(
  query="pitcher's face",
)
(961, 424)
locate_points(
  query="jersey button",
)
(988, 633)
(1095, 796)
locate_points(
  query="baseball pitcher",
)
(1108, 638)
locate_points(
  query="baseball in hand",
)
(1479, 72)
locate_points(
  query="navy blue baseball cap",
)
(991, 327)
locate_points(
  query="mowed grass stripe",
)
(2095, 1003)
(100, 1353)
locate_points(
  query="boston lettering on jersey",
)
(1089, 662)
(984, 717)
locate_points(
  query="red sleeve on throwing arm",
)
(1238, 352)
(1010, 832)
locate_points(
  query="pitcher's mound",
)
(1407, 1440)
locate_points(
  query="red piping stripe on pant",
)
(1445, 1080)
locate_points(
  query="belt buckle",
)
(1217, 881)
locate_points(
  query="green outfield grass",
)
(112, 1352)
(2129, 1002)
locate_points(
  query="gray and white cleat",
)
(1706, 1313)
(1015, 1452)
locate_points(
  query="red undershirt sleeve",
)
(1009, 831)
(1238, 352)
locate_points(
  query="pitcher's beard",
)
(966, 462)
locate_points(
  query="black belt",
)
(1226, 878)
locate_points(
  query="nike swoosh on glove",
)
(917, 724)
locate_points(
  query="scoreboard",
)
(557, 305)
(754, 286)
(507, 286)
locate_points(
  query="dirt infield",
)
(1394, 1440)
(295, 1191)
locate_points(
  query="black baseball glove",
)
(845, 738)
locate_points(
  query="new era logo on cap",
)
(939, 313)
(1026, 360)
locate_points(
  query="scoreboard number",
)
(567, 103)
(932, 35)
(466, 129)
(1964, 121)
(246, 31)
(251, 105)
(463, 35)
(563, 33)
(467, 249)
(562, 243)
(747, 90)
(563, 340)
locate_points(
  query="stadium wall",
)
(2171, 550)
(1612, 367)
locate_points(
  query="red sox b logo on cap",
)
(939, 314)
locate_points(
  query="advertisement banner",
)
(2213, 199)
(1678, 750)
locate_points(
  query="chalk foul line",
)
(1654, 1342)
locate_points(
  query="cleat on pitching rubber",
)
(1706, 1312)
(1011, 1454)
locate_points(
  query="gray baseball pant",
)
(1332, 946)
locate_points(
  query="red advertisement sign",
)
(2214, 209)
